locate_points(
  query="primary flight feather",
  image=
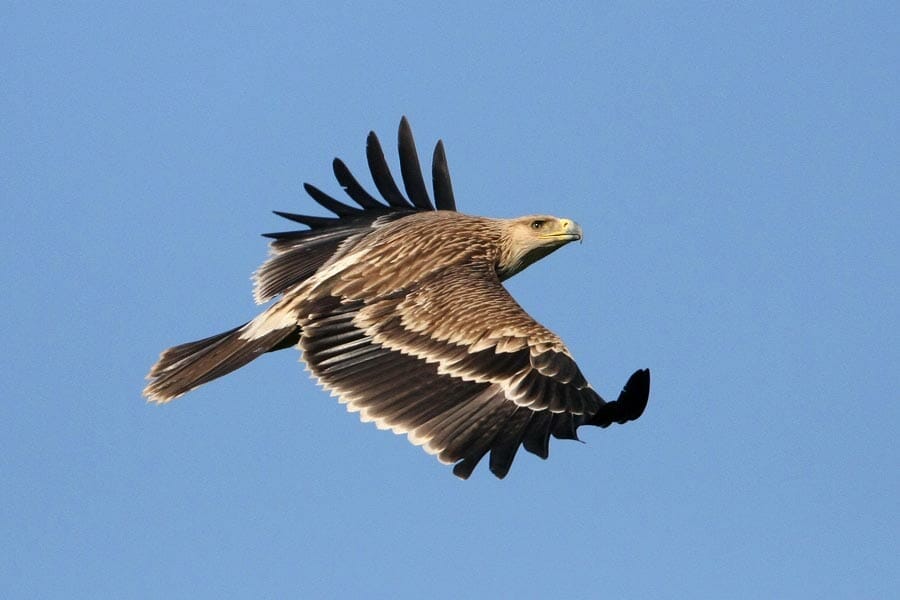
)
(399, 310)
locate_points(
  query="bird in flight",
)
(399, 310)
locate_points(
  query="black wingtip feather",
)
(507, 442)
(352, 187)
(634, 395)
(463, 469)
(537, 434)
(629, 405)
(564, 427)
(381, 173)
(308, 220)
(410, 168)
(440, 179)
(326, 201)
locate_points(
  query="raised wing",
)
(296, 255)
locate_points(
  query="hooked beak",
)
(568, 231)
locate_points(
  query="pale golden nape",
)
(529, 239)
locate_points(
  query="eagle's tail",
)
(187, 366)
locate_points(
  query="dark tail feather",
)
(187, 366)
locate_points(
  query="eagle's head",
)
(529, 239)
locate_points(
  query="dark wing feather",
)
(410, 169)
(440, 178)
(629, 405)
(352, 186)
(335, 206)
(381, 174)
(507, 442)
(480, 437)
(537, 434)
(308, 220)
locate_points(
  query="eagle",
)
(398, 308)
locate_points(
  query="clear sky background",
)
(735, 172)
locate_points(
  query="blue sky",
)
(735, 172)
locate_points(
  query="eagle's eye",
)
(537, 224)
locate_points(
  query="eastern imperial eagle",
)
(399, 311)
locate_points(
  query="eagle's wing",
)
(456, 364)
(296, 255)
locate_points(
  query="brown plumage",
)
(399, 311)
